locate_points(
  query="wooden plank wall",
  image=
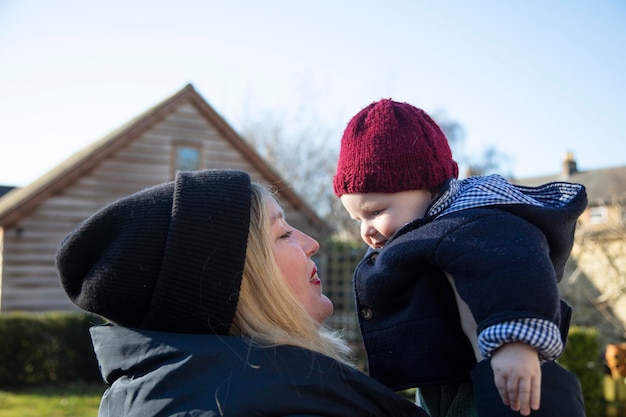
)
(29, 277)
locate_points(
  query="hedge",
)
(46, 348)
(582, 356)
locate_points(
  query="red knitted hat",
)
(390, 147)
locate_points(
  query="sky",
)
(532, 78)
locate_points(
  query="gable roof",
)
(5, 189)
(20, 201)
(604, 186)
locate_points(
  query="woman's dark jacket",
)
(167, 374)
(505, 248)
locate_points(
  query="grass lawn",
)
(65, 400)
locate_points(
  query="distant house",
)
(595, 278)
(182, 133)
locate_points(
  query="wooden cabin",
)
(182, 133)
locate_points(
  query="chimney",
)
(569, 165)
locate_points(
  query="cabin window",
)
(187, 158)
(598, 215)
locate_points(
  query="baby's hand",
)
(517, 375)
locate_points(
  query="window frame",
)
(175, 156)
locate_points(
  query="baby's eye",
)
(376, 212)
(287, 235)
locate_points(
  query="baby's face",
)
(381, 214)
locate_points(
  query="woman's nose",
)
(310, 245)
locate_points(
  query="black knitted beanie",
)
(167, 258)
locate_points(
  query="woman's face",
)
(293, 250)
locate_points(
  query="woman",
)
(215, 305)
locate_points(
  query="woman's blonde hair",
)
(267, 311)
